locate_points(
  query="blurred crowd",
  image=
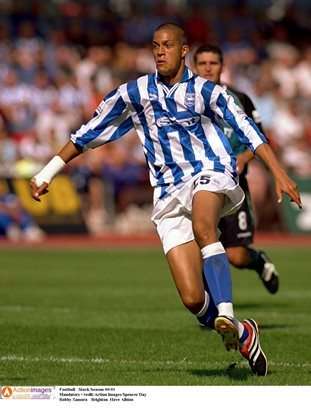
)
(58, 59)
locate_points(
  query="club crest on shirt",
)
(189, 99)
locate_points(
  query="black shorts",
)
(238, 229)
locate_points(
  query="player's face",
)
(168, 51)
(208, 66)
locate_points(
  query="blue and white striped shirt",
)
(178, 127)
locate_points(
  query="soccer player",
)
(237, 230)
(193, 173)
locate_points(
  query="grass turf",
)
(82, 317)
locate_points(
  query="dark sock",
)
(256, 261)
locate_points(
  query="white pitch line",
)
(100, 360)
(96, 360)
(20, 308)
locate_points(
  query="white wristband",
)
(49, 171)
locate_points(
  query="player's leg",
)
(174, 227)
(206, 209)
(237, 233)
(257, 260)
(185, 263)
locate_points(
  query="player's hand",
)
(37, 191)
(243, 159)
(285, 185)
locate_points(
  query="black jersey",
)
(246, 104)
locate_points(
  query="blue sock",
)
(217, 273)
(208, 313)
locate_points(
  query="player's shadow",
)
(254, 305)
(247, 306)
(276, 326)
(232, 372)
(8, 381)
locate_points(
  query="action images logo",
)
(6, 392)
(27, 392)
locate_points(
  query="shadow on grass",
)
(261, 326)
(275, 326)
(232, 372)
(250, 306)
(5, 381)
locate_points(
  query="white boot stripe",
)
(253, 340)
(253, 349)
(256, 355)
(254, 333)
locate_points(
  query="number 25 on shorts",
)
(203, 180)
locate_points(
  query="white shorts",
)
(172, 214)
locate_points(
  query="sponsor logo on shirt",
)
(164, 121)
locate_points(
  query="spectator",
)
(8, 152)
(15, 223)
(57, 62)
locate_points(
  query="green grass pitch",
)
(90, 317)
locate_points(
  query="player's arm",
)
(111, 121)
(40, 182)
(242, 159)
(283, 184)
(246, 156)
(249, 134)
(217, 100)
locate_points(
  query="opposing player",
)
(193, 174)
(237, 230)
